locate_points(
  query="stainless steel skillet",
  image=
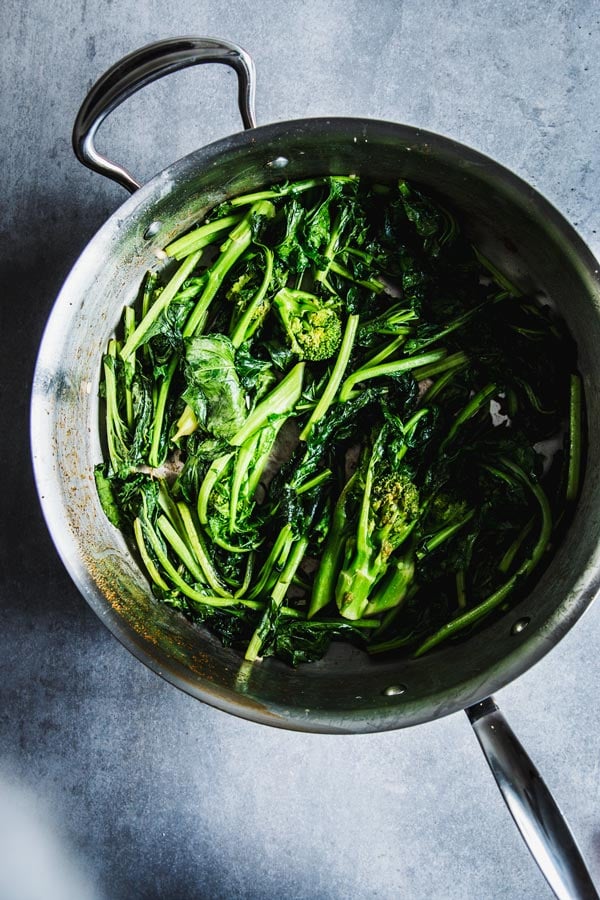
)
(346, 692)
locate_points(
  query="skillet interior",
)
(346, 692)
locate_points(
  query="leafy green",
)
(213, 390)
(325, 419)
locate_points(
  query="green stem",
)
(387, 351)
(129, 328)
(392, 368)
(200, 551)
(154, 456)
(164, 298)
(500, 279)
(333, 553)
(146, 558)
(236, 244)
(247, 575)
(296, 187)
(450, 363)
(215, 470)
(330, 250)
(471, 409)
(438, 386)
(482, 609)
(241, 467)
(249, 321)
(392, 590)
(277, 595)
(180, 548)
(507, 560)
(444, 534)
(314, 482)
(277, 556)
(370, 283)
(281, 400)
(337, 373)
(116, 430)
(201, 237)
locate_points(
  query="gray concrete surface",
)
(113, 785)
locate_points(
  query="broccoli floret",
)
(445, 509)
(395, 506)
(313, 326)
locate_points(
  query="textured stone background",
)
(113, 785)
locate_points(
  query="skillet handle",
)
(142, 67)
(531, 805)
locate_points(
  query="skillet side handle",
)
(531, 805)
(139, 69)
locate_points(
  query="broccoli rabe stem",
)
(277, 596)
(200, 551)
(180, 548)
(201, 237)
(330, 251)
(314, 482)
(148, 534)
(387, 351)
(275, 561)
(447, 364)
(370, 283)
(337, 373)
(137, 337)
(407, 364)
(281, 400)
(393, 588)
(155, 457)
(477, 402)
(243, 460)
(433, 541)
(236, 244)
(256, 310)
(215, 471)
(116, 429)
(151, 568)
(495, 599)
(250, 462)
(333, 553)
(129, 328)
(295, 187)
(442, 382)
(507, 560)
(498, 276)
(365, 558)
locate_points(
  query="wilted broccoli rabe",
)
(312, 326)
(298, 426)
(387, 512)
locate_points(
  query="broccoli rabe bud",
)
(395, 506)
(313, 326)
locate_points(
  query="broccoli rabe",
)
(323, 420)
(313, 326)
(387, 512)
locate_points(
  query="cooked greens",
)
(328, 418)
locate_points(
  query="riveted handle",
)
(141, 68)
(532, 806)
